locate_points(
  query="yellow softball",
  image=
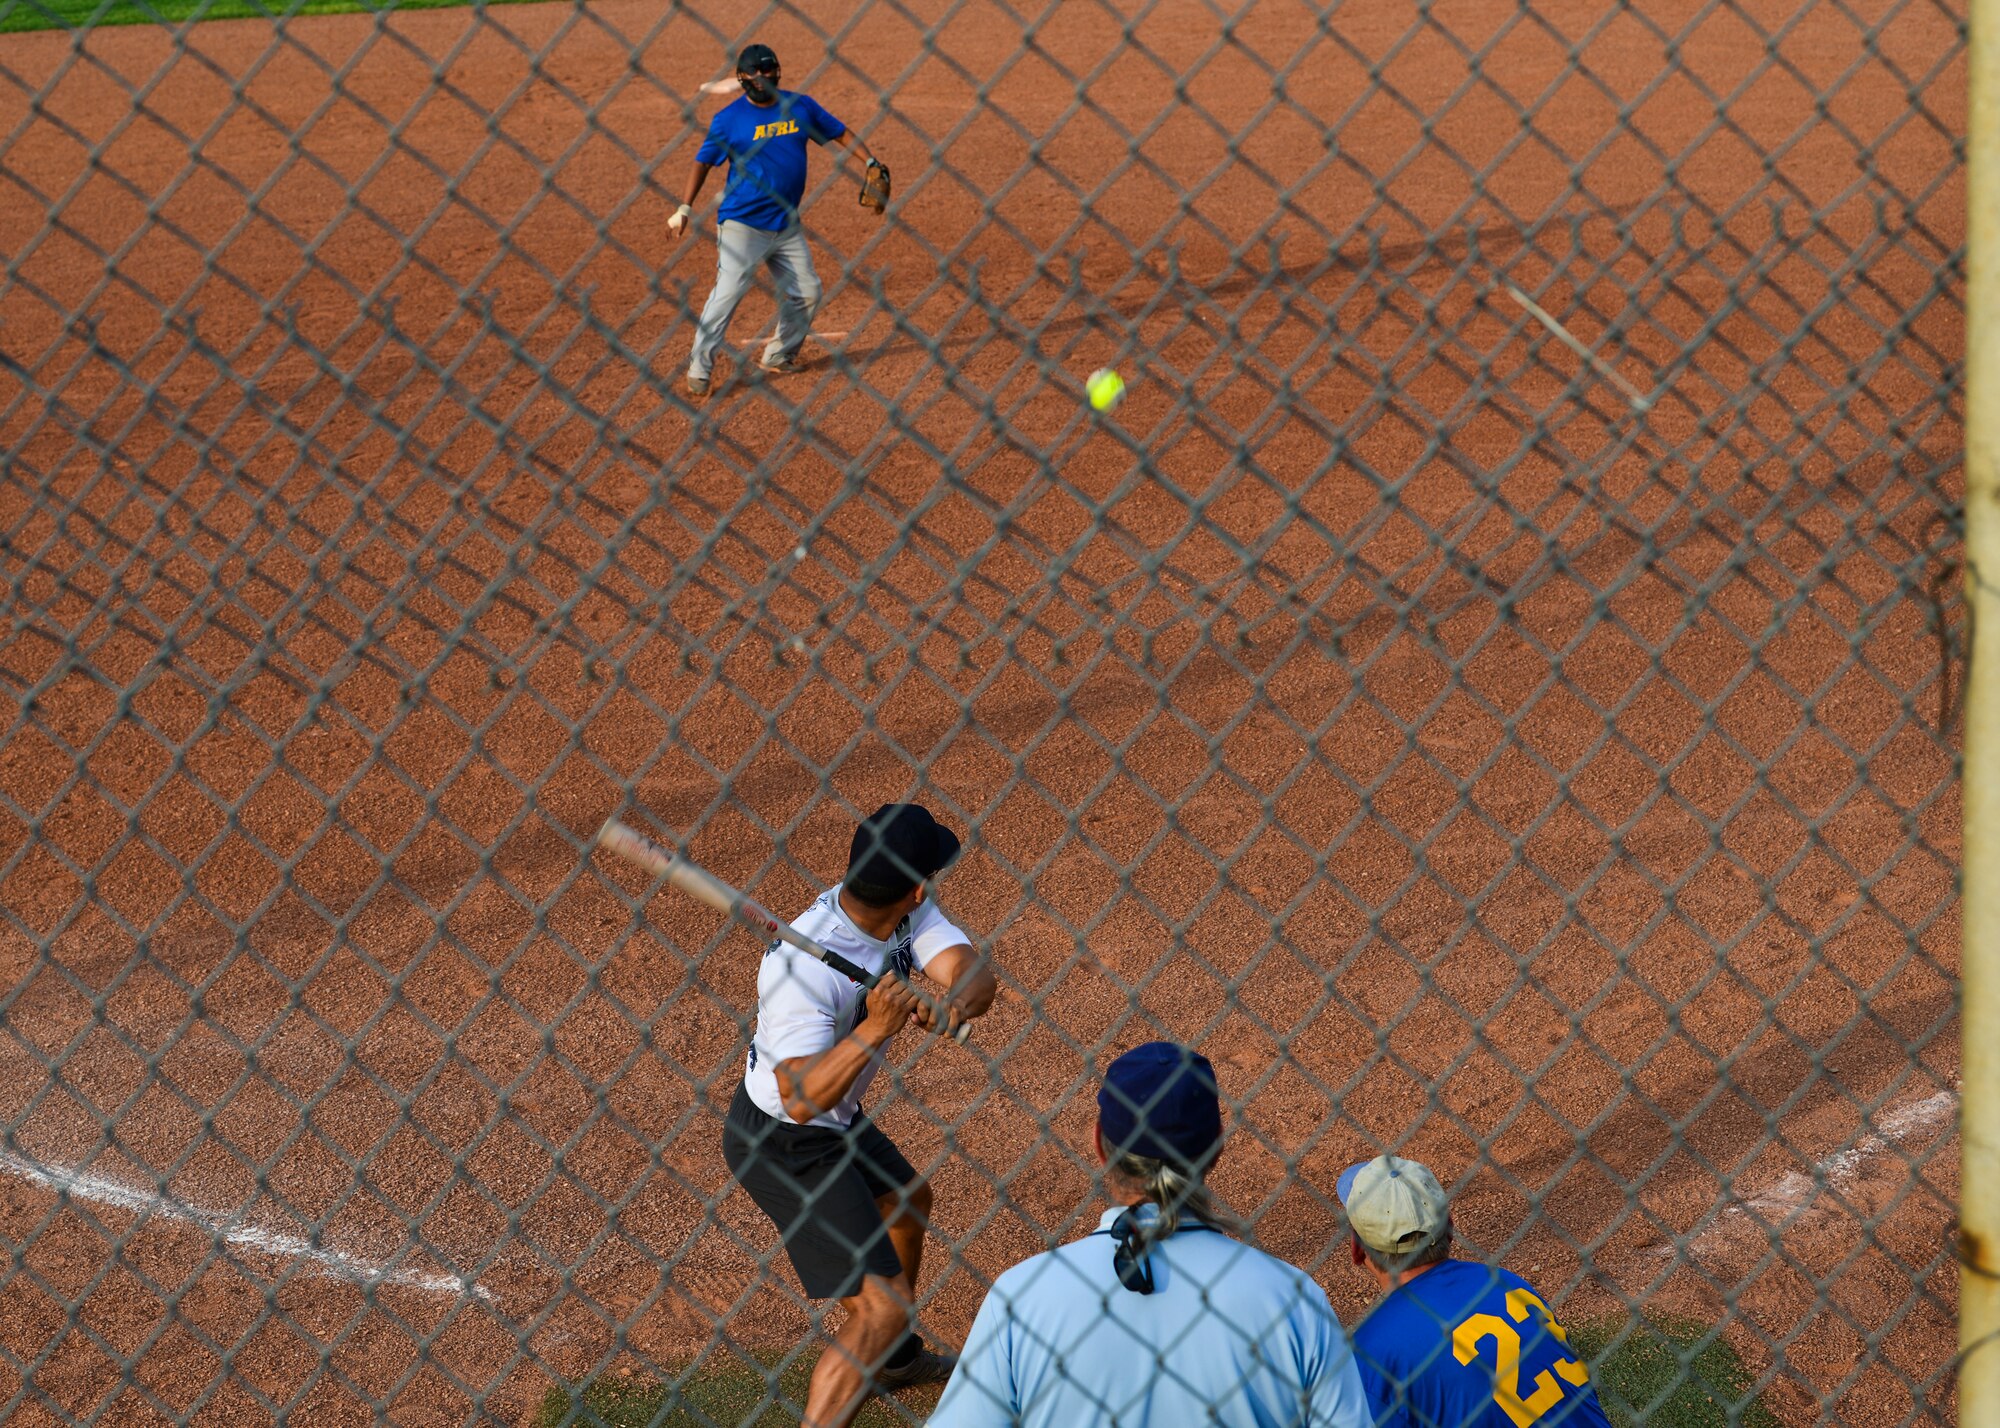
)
(1105, 388)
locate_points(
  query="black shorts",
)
(819, 1186)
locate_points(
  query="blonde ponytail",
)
(1177, 1194)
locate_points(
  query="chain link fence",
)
(1473, 760)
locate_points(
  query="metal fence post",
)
(1979, 1215)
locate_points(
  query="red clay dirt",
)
(1466, 764)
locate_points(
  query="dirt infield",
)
(1465, 763)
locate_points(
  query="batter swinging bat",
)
(623, 841)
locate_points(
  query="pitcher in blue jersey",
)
(763, 137)
(1453, 1343)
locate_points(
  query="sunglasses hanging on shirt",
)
(1135, 1270)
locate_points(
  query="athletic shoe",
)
(697, 386)
(929, 1366)
(783, 367)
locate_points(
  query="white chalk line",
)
(1640, 402)
(1795, 1190)
(1838, 1171)
(335, 1264)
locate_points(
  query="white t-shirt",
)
(804, 1006)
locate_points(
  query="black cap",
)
(757, 59)
(896, 847)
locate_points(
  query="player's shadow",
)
(1152, 289)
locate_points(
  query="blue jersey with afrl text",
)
(765, 148)
(1467, 1345)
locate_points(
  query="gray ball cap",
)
(1395, 1205)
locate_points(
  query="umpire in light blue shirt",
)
(1163, 1317)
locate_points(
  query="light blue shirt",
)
(1229, 1336)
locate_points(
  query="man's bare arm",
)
(814, 1085)
(683, 218)
(968, 980)
(855, 144)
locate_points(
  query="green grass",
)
(16, 15)
(1657, 1377)
(724, 1391)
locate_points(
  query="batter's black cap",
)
(896, 847)
(757, 59)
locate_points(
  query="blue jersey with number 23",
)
(1468, 1345)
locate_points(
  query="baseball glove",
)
(875, 186)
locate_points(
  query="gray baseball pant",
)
(740, 251)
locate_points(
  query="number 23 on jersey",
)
(1547, 1392)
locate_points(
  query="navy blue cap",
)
(757, 59)
(1160, 1101)
(898, 846)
